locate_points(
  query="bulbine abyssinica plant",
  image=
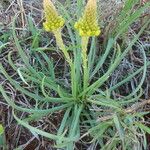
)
(113, 122)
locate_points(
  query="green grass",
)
(88, 113)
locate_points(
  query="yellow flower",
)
(53, 19)
(88, 24)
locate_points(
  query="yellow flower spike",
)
(53, 20)
(88, 24)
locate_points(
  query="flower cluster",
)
(53, 20)
(88, 24)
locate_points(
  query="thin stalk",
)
(84, 44)
(60, 43)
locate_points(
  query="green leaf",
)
(119, 127)
(2, 45)
(40, 132)
(103, 58)
(1, 129)
(143, 127)
(99, 130)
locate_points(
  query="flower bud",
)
(53, 20)
(88, 24)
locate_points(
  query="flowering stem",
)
(60, 43)
(84, 44)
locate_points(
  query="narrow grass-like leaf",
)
(62, 126)
(3, 46)
(10, 60)
(20, 74)
(143, 76)
(105, 103)
(75, 125)
(118, 127)
(31, 110)
(40, 132)
(127, 21)
(50, 65)
(103, 58)
(143, 127)
(1, 129)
